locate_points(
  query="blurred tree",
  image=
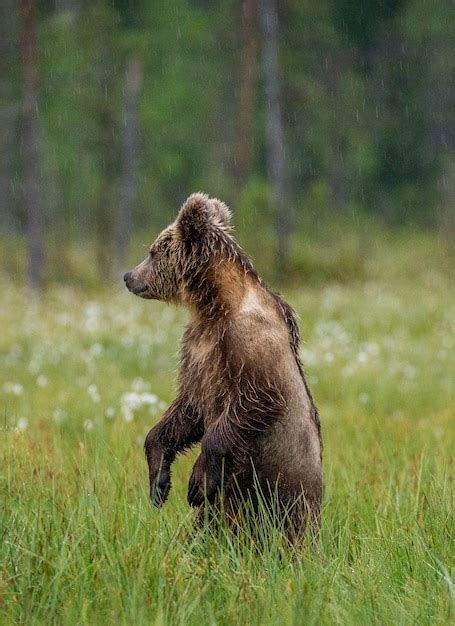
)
(247, 91)
(435, 55)
(10, 107)
(30, 143)
(337, 170)
(356, 114)
(130, 12)
(128, 156)
(276, 156)
(100, 31)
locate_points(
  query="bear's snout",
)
(139, 288)
(129, 281)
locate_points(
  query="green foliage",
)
(85, 374)
(366, 100)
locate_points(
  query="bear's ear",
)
(222, 213)
(200, 214)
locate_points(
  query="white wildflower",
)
(148, 398)
(92, 316)
(58, 415)
(132, 401)
(22, 424)
(41, 381)
(93, 393)
(14, 388)
(139, 385)
(88, 424)
(362, 357)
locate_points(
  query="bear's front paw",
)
(159, 473)
(204, 482)
(160, 485)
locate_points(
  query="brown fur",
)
(242, 390)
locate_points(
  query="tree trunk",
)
(336, 174)
(440, 139)
(129, 140)
(10, 98)
(276, 158)
(248, 79)
(106, 196)
(446, 213)
(97, 21)
(30, 141)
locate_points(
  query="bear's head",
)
(198, 233)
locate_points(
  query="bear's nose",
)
(126, 276)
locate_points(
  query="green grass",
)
(83, 377)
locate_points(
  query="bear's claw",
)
(160, 488)
(202, 485)
(196, 496)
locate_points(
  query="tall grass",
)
(82, 378)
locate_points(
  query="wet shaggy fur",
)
(242, 391)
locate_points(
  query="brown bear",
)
(241, 391)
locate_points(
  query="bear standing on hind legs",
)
(242, 392)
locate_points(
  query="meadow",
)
(84, 373)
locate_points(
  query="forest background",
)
(310, 118)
